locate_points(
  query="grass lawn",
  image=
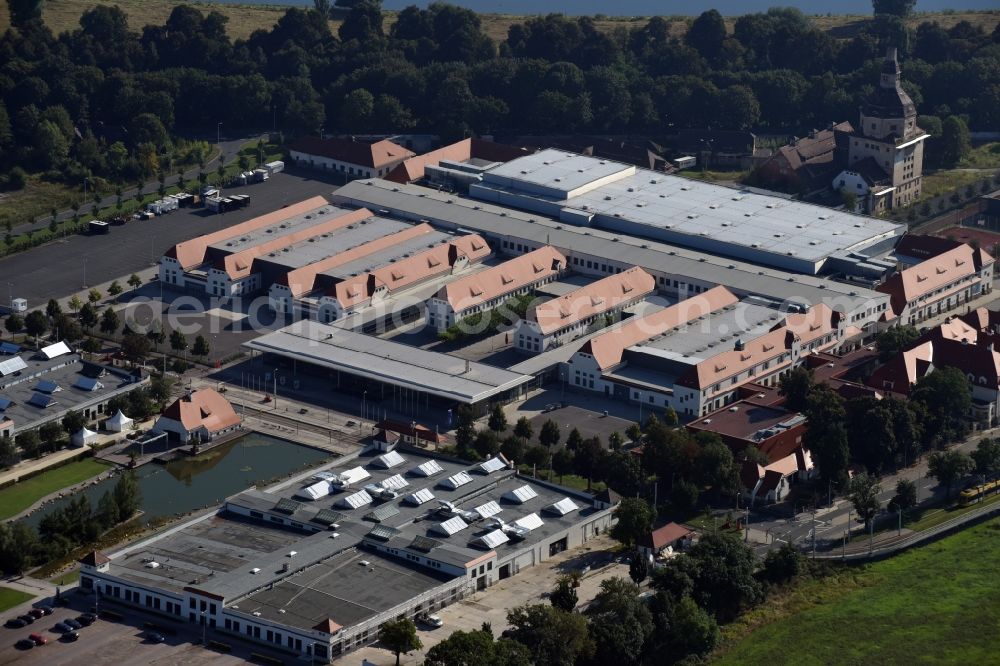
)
(15, 499)
(67, 578)
(10, 598)
(947, 181)
(932, 605)
(986, 156)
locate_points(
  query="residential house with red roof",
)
(671, 537)
(201, 415)
(938, 284)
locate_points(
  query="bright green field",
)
(938, 604)
(15, 499)
(10, 598)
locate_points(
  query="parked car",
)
(24, 644)
(15, 623)
(154, 637)
(62, 628)
(28, 619)
(70, 636)
(72, 624)
(36, 613)
(46, 609)
(38, 639)
(86, 619)
(432, 621)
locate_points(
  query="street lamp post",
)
(218, 134)
(275, 389)
(204, 627)
(85, 272)
(10, 295)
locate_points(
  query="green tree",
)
(134, 281)
(863, 492)
(905, 497)
(135, 347)
(564, 596)
(633, 432)
(638, 568)
(615, 441)
(901, 8)
(552, 636)
(826, 437)
(946, 399)
(947, 467)
(53, 309)
(486, 443)
(620, 623)
(955, 143)
(795, 387)
(707, 33)
(574, 439)
(110, 322)
(684, 496)
(400, 637)
(73, 422)
(75, 303)
(53, 435)
(986, 457)
(8, 451)
(94, 296)
(28, 442)
(477, 648)
(716, 467)
(115, 290)
(178, 341)
(782, 564)
(513, 449)
(562, 462)
(127, 495)
(35, 324)
(88, 316)
(200, 348)
(550, 434)
(523, 429)
(498, 420)
(14, 323)
(21, 13)
(682, 629)
(635, 519)
(894, 340)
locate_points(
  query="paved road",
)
(230, 148)
(58, 269)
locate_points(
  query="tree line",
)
(65, 529)
(109, 99)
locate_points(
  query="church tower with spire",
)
(888, 147)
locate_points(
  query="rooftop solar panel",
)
(395, 482)
(424, 544)
(529, 522)
(5, 403)
(390, 459)
(355, 500)
(328, 517)
(46, 386)
(521, 495)
(456, 481)
(492, 465)
(451, 526)
(493, 539)
(40, 400)
(383, 532)
(12, 365)
(88, 384)
(382, 513)
(429, 468)
(491, 508)
(419, 497)
(562, 507)
(286, 505)
(54, 350)
(9, 348)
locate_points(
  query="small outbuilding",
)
(671, 537)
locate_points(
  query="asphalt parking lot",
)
(57, 269)
(114, 642)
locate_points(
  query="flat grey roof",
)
(707, 335)
(287, 226)
(395, 253)
(689, 207)
(416, 202)
(435, 373)
(343, 590)
(64, 371)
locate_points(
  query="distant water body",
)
(654, 7)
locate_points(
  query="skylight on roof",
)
(492, 465)
(451, 526)
(355, 500)
(491, 508)
(12, 365)
(456, 481)
(328, 517)
(429, 468)
(382, 513)
(492, 539)
(420, 497)
(424, 544)
(562, 507)
(54, 350)
(383, 532)
(286, 505)
(395, 482)
(529, 522)
(88, 384)
(390, 459)
(520, 495)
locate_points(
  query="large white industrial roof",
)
(439, 374)
(687, 207)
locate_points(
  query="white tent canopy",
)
(119, 422)
(84, 437)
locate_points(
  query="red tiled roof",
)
(374, 155)
(505, 278)
(929, 276)
(601, 296)
(203, 408)
(664, 536)
(328, 626)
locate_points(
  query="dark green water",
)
(192, 483)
